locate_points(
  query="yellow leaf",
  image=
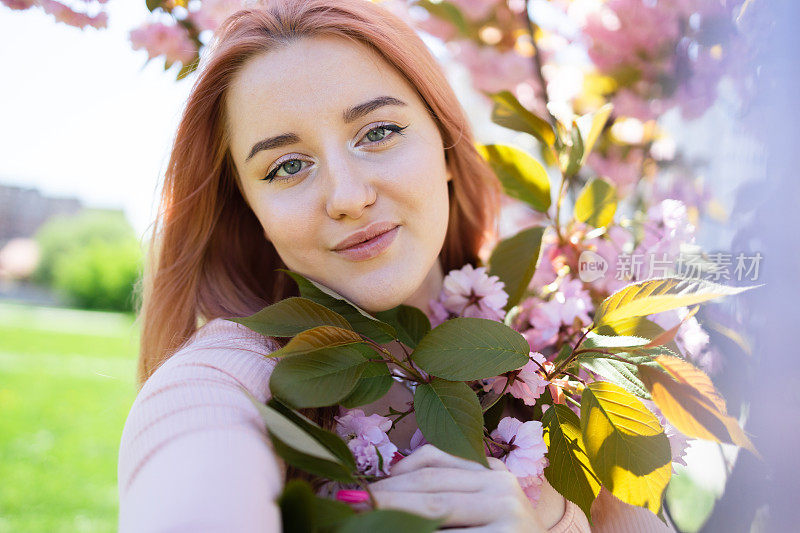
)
(597, 203)
(657, 295)
(626, 445)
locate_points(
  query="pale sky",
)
(80, 114)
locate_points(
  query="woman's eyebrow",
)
(349, 115)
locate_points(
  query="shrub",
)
(92, 258)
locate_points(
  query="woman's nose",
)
(350, 189)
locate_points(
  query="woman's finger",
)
(437, 479)
(497, 464)
(455, 508)
(429, 455)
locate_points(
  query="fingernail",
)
(396, 458)
(352, 496)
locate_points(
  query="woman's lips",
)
(371, 248)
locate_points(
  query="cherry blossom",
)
(471, 292)
(368, 440)
(171, 41)
(528, 384)
(526, 457)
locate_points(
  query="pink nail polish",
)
(352, 496)
(396, 458)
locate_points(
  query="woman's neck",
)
(429, 289)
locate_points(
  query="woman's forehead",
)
(314, 75)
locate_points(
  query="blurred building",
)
(23, 210)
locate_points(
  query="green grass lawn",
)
(67, 381)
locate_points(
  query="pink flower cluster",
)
(491, 69)
(367, 439)
(63, 13)
(651, 46)
(529, 382)
(526, 457)
(172, 41)
(541, 321)
(665, 229)
(469, 292)
(211, 13)
(475, 10)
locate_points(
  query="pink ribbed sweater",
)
(194, 455)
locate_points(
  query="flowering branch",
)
(407, 368)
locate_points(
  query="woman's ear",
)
(449, 175)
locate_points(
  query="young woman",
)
(320, 136)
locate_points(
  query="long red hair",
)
(208, 257)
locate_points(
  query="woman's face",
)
(313, 136)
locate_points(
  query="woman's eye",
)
(378, 134)
(292, 166)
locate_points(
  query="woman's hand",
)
(435, 484)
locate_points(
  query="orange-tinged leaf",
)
(686, 372)
(317, 338)
(669, 335)
(695, 412)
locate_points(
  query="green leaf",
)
(636, 326)
(626, 445)
(657, 295)
(509, 113)
(298, 448)
(331, 441)
(612, 342)
(297, 507)
(373, 385)
(330, 515)
(597, 203)
(514, 259)
(360, 320)
(302, 511)
(598, 121)
(319, 378)
(466, 349)
(574, 158)
(188, 68)
(316, 338)
(450, 417)
(152, 5)
(623, 374)
(569, 471)
(389, 521)
(410, 323)
(291, 316)
(522, 177)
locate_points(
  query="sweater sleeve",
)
(194, 454)
(609, 515)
